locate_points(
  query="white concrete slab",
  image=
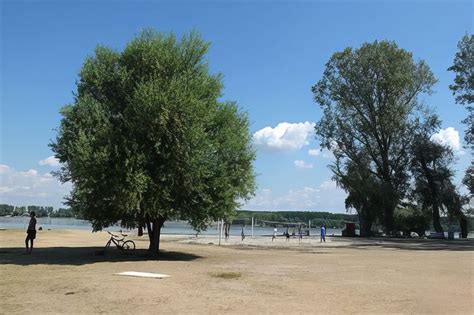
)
(142, 274)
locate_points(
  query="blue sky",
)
(270, 54)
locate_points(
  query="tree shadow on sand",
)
(77, 256)
(407, 244)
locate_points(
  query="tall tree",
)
(430, 167)
(369, 98)
(147, 138)
(463, 90)
(363, 190)
(453, 202)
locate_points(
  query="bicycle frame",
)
(115, 239)
(125, 245)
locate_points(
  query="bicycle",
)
(126, 246)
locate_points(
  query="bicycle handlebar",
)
(114, 235)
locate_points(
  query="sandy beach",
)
(65, 274)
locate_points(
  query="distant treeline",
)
(336, 220)
(242, 217)
(39, 210)
(330, 220)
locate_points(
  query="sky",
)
(270, 54)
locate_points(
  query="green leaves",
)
(369, 98)
(463, 67)
(463, 90)
(148, 138)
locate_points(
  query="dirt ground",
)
(65, 274)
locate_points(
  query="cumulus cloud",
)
(314, 152)
(448, 137)
(30, 188)
(318, 152)
(50, 161)
(303, 164)
(30, 173)
(324, 197)
(284, 137)
(4, 168)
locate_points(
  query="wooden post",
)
(309, 230)
(219, 229)
(252, 227)
(222, 227)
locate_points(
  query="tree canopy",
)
(369, 97)
(148, 138)
(463, 67)
(463, 90)
(430, 166)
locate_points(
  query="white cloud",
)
(30, 173)
(325, 153)
(324, 197)
(448, 137)
(31, 188)
(4, 190)
(329, 184)
(302, 164)
(50, 161)
(314, 152)
(284, 137)
(4, 168)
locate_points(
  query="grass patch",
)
(227, 275)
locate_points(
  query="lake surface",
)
(170, 227)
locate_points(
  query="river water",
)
(170, 227)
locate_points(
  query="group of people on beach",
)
(31, 233)
(287, 234)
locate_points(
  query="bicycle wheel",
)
(128, 246)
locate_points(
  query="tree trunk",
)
(463, 225)
(154, 231)
(365, 226)
(141, 225)
(434, 197)
(436, 221)
(389, 220)
(389, 205)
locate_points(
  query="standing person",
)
(274, 234)
(31, 232)
(242, 233)
(323, 234)
(226, 230)
(287, 234)
(300, 234)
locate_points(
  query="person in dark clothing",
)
(31, 232)
(323, 234)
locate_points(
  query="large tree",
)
(454, 202)
(147, 138)
(463, 90)
(363, 191)
(430, 166)
(434, 190)
(369, 97)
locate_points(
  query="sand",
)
(65, 274)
